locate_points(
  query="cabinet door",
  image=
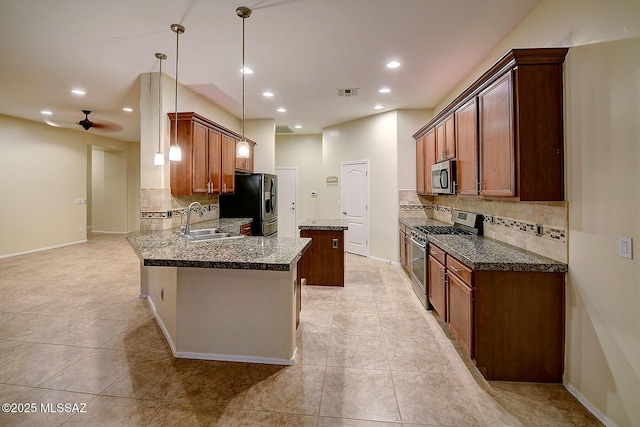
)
(429, 158)
(420, 167)
(467, 151)
(445, 139)
(437, 291)
(228, 164)
(215, 161)
(200, 179)
(497, 157)
(461, 311)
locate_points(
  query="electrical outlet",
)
(81, 229)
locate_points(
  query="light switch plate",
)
(625, 247)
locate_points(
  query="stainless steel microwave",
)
(443, 177)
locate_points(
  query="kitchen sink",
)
(205, 234)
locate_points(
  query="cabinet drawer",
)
(437, 253)
(245, 229)
(459, 269)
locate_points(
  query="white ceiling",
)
(301, 50)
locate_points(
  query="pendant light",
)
(174, 151)
(158, 160)
(243, 149)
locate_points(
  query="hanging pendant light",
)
(175, 154)
(158, 159)
(243, 149)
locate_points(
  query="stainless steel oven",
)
(419, 266)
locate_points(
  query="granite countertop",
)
(324, 224)
(483, 253)
(166, 248)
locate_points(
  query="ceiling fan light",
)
(158, 159)
(175, 154)
(242, 149)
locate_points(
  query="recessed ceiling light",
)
(46, 112)
(378, 107)
(78, 92)
(385, 90)
(267, 94)
(246, 70)
(298, 126)
(282, 110)
(127, 109)
(393, 64)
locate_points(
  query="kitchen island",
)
(226, 299)
(323, 264)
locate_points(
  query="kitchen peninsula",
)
(225, 299)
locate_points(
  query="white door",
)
(354, 202)
(287, 201)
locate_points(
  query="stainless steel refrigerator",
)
(254, 197)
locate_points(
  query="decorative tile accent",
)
(415, 207)
(539, 227)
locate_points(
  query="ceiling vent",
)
(348, 92)
(283, 129)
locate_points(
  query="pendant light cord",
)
(175, 128)
(159, 104)
(243, 73)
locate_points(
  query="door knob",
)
(344, 213)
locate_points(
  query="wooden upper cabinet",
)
(520, 145)
(467, 148)
(208, 156)
(497, 151)
(446, 139)
(420, 167)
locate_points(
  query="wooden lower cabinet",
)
(323, 262)
(519, 325)
(511, 323)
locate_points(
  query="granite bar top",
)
(324, 224)
(483, 253)
(166, 248)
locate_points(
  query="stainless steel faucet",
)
(187, 227)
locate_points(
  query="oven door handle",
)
(418, 243)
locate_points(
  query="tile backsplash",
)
(161, 211)
(539, 227)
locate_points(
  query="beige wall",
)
(601, 146)
(43, 170)
(263, 132)
(109, 191)
(603, 183)
(305, 152)
(373, 138)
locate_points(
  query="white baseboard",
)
(595, 411)
(385, 260)
(42, 249)
(108, 232)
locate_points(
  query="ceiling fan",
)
(88, 124)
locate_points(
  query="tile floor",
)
(73, 330)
